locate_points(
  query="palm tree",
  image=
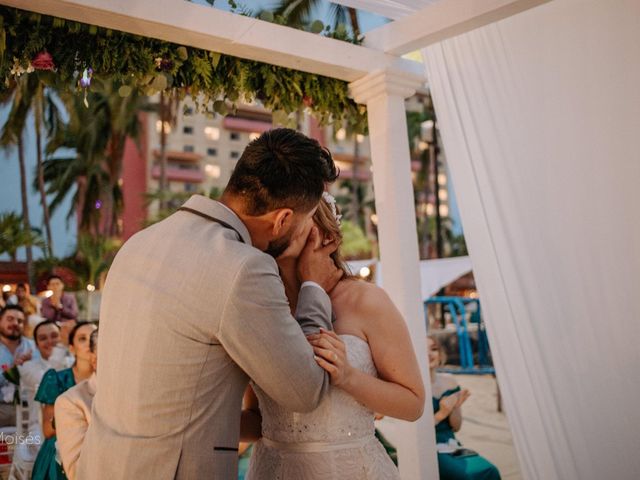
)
(167, 110)
(31, 95)
(13, 235)
(11, 136)
(96, 253)
(98, 135)
(46, 114)
(297, 13)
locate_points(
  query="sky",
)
(367, 20)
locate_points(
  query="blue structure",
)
(458, 308)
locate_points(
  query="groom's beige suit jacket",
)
(190, 312)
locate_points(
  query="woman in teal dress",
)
(47, 466)
(454, 462)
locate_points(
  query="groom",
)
(194, 307)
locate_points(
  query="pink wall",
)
(134, 177)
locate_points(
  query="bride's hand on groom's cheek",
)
(315, 263)
(331, 354)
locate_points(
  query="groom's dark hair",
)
(282, 168)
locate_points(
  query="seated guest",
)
(73, 415)
(454, 461)
(29, 304)
(46, 337)
(15, 349)
(47, 341)
(52, 386)
(60, 306)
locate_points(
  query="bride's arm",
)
(251, 420)
(399, 390)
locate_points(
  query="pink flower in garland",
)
(43, 61)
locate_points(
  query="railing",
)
(458, 308)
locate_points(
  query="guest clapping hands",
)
(454, 462)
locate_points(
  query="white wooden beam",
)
(440, 21)
(228, 33)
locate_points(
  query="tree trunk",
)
(355, 201)
(163, 151)
(355, 25)
(40, 170)
(25, 209)
(111, 210)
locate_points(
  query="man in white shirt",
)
(15, 349)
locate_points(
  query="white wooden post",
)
(384, 92)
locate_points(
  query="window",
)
(235, 154)
(189, 187)
(212, 133)
(188, 149)
(212, 152)
(213, 171)
(234, 136)
(188, 111)
(187, 130)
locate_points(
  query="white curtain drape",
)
(540, 120)
(434, 274)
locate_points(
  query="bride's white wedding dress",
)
(335, 441)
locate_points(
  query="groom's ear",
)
(282, 221)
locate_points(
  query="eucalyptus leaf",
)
(266, 16)
(279, 117)
(215, 59)
(160, 82)
(317, 26)
(182, 53)
(219, 106)
(124, 91)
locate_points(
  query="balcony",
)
(180, 157)
(175, 174)
(249, 125)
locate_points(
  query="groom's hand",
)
(315, 263)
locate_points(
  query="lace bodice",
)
(336, 441)
(338, 418)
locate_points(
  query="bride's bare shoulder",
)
(353, 286)
(362, 295)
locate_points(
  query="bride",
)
(378, 373)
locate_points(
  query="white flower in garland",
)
(331, 201)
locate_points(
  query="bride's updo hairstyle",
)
(329, 228)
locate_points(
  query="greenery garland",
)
(30, 41)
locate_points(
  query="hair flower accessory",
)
(331, 201)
